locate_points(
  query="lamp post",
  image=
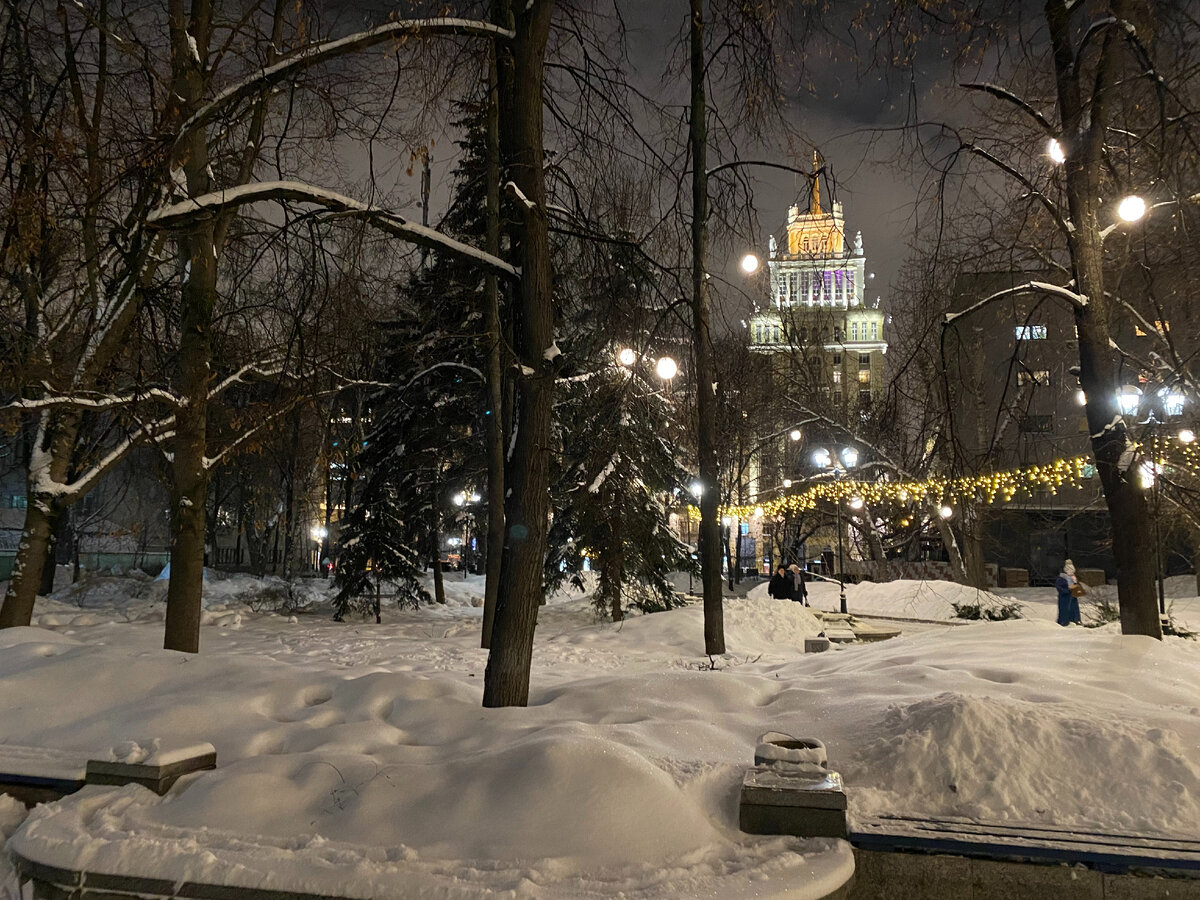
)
(1172, 401)
(839, 465)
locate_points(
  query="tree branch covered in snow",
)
(1076, 299)
(179, 214)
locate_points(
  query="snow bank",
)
(355, 757)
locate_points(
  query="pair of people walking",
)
(788, 584)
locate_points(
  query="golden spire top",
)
(816, 192)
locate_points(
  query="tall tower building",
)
(826, 333)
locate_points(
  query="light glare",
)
(1055, 151)
(1132, 208)
(666, 368)
(749, 263)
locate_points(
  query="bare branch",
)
(179, 214)
(1077, 300)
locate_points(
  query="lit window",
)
(1038, 376)
(837, 376)
(864, 376)
(1031, 332)
(854, 331)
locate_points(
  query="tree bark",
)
(1084, 124)
(520, 68)
(494, 540)
(710, 535)
(197, 244)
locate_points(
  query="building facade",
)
(824, 333)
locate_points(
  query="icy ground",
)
(356, 758)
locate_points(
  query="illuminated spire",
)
(816, 198)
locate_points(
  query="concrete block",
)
(816, 645)
(785, 799)
(157, 772)
(909, 876)
(999, 880)
(1144, 887)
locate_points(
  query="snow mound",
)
(982, 757)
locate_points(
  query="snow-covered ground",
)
(356, 758)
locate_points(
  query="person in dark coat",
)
(799, 589)
(1068, 595)
(780, 586)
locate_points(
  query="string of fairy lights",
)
(937, 491)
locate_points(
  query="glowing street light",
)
(795, 434)
(1186, 435)
(846, 459)
(627, 357)
(1129, 398)
(749, 263)
(1055, 151)
(787, 482)
(946, 512)
(697, 489)
(666, 368)
(855, 503)
(1131, 208)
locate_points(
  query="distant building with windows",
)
(826, 335)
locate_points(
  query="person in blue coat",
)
(1068, 588)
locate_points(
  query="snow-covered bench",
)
(38, 774)
(1108, 852)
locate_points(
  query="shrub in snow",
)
(991, 612)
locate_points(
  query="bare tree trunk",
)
(59, 524)
(494, 542)
(27, 568)
(520, 68)
(950, 541)
(1084, 125)
(189, 44)
(710, 536)
(972, 545)
(49, 458)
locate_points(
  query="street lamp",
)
(627, 357)
(1055, 151)
(749, 263)
(666, 368)
(846, 460)
(1131, 208)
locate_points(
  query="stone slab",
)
(754, 818)
(816, 645)
(158, 778)
(774, 785)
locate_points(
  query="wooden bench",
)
(1110, 852)
(41, 774)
